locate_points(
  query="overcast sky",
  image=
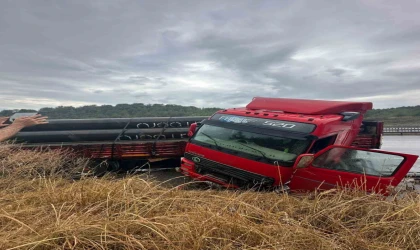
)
(207, 53)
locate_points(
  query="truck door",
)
(341, 166)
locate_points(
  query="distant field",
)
(42, 208)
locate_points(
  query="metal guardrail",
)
(402, 130)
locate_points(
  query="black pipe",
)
(116, 123)
(101, 135)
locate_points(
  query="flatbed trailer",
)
(105, 150)
(121, 143)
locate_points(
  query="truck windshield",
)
(252, 145)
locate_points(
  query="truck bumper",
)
(188, 169)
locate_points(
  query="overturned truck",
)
(298, 145)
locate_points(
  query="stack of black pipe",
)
(108, 129)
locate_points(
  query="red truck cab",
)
(298, 144)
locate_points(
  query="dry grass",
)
(41, 208)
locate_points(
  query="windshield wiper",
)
(259, 151)
(263, 154)
(211, 138)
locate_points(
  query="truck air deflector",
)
(289, 126)
(309, 107)
(262, 130)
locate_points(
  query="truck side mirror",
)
(350, 116)
(192, 129)
(303, 161)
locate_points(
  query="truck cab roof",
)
(318, 112)
(308, 107)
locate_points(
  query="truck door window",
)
(322, 143)
(359, 161)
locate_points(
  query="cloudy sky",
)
(207, 53)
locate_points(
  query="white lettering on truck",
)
(279, 124)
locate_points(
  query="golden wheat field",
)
(42, 208)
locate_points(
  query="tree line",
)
(161, 110)
(394, 112)
(118, 111)
(396, 116)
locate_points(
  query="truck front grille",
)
(228, 174)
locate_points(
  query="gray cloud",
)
(212, 53)
(337, 72)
